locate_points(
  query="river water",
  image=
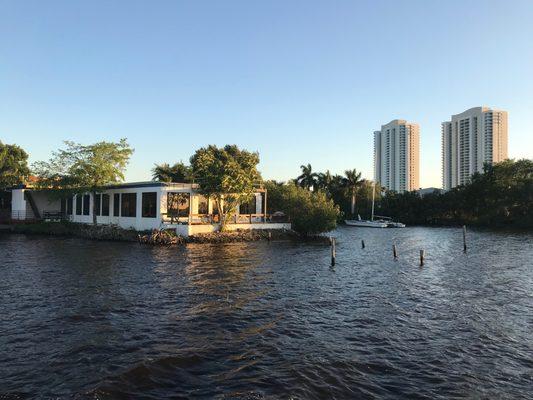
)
(103, 320)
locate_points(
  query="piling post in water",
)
(362, 244)
(269, 236)
(421, 257)
(394, 252)
(464, 238)
(333, 252)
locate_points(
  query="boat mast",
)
(373, 196)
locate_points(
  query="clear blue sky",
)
(298, 81)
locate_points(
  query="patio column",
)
(190, 208)
(265, 210)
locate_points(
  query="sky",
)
(298, 81)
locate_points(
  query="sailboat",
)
(390, 223)
(367, 223)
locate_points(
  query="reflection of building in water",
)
(144, 206)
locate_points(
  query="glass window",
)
(105, 205)
(178, 204)
(97, 200)
(128, 205)
(78, 204)
(63, 206)
(149, 204)
(214, 207)
(248, 207)
(116, 205)
(86, 204)
(69, 205)
(203, 205)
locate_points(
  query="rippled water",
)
(84, 319)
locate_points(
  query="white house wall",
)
(139, 223)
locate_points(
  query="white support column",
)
(18, 204)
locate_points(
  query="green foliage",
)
(309, 212)
(228, 175)
(179, 172)
(500, 196)
(13, 165)
(84, 168)
(308, 179)
(343, 190)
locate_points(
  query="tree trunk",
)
(94, 208)
(353, 202)
(221, 214)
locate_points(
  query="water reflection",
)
(273, 320)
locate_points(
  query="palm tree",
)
(179, 172)
(324, 181)
(308, 178)
(352, 181)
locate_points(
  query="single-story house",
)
(144, 206)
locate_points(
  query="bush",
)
(310, 213)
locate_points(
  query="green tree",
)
(84, 168)
(228, 175)
(310, 213)
(179, 172)
(352, 182)
(502, 195)
(308, 178)
(14, 168)
(324, 181)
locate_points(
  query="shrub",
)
(310, 212)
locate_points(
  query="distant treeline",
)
(501, 196)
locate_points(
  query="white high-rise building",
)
(396, 155)
(471, 139)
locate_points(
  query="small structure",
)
(144, 206)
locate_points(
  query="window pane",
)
(78, 204)
(248, 207)
(128, 204)
(149, 201)
(203, 205)
(63, 206)
(105, 205)
(97, 200)
(116, 205)
(86, 204)
(69, 205)
(178, 204)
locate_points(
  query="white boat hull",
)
(365, 224)
(395, 225)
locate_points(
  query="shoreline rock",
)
(155, 237)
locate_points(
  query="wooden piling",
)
(269, 236)
(421, 257)
(394, 252)
(333, 251)
(464, 238)
(362, 244)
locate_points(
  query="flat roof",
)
(129, 185)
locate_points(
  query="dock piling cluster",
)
(394, 249)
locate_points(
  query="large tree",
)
(352, 181)
(227, 175)
(179, 172)
(85, 168)
(13, 165)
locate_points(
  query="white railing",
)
(22, 214)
